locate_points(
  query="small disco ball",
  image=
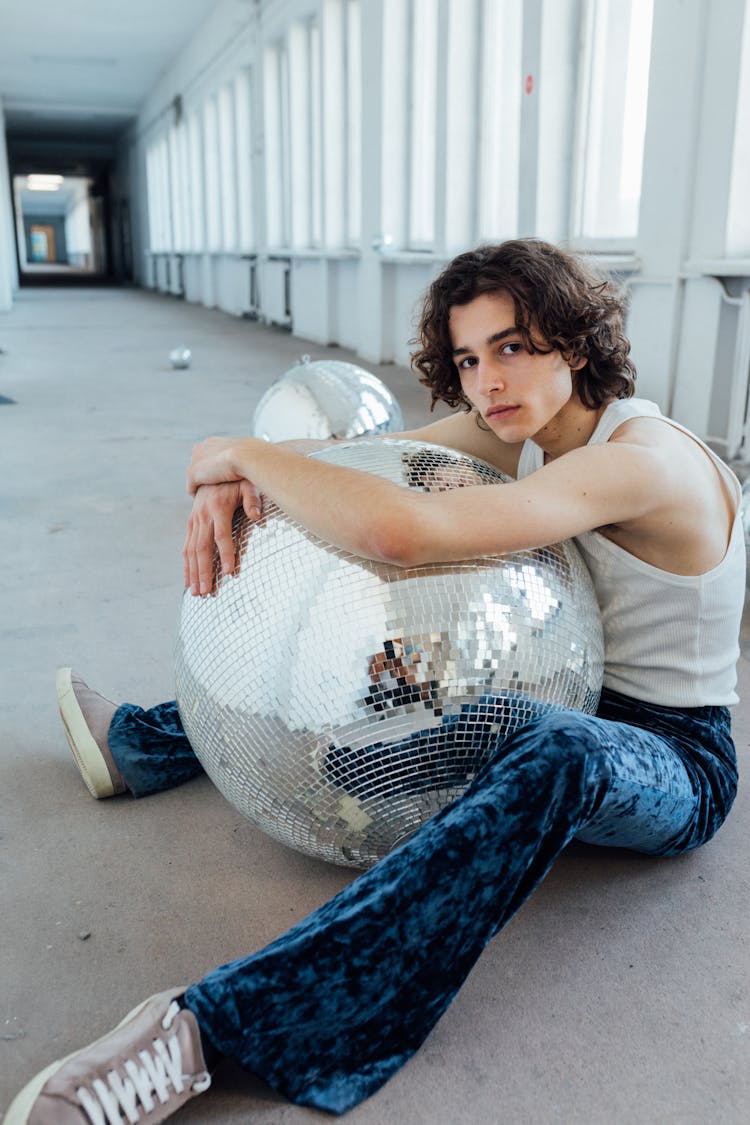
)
(326, 398)
(180, 357)
(339, 703)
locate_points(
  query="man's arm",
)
(210, 521)
(376, 519)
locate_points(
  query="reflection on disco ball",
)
(326, 399)
(180, 357)
(339, 703)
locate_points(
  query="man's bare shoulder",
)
(652, 432)
(463, 431)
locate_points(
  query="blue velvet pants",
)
(331, 1009)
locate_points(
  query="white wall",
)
(687, 264)
(8, 262)
(78, 228)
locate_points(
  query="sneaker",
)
(143, 1071)
(86, 716)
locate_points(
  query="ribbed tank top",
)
(670, 639)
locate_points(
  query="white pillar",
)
(720, 108)
(693, 89)
(375, 325)
(666, 190)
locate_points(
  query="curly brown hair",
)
(561, 305)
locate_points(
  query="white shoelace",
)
(146, 1078)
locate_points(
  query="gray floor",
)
(619, 993)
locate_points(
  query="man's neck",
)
(570, 429)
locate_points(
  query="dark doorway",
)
(69, 228)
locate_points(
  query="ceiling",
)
(81, 69)
(56, 202)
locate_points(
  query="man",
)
(530, 343)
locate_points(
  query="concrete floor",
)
(618, 994)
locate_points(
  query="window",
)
(461, 115)
(178, 171)
(423, 123)
(312, 107)
(244, 149)
(304, 134)
(341, 111)
(612, 102)
(276, 119)
(151, 197)
(452, 88)
(353, 126)
(212, 190)
(227, 166)
(157, 188)
(316, 140)
(395, 148)
(211, 173)
(196, 218)
(499, 118)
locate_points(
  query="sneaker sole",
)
(19, 1109)
(88, 756)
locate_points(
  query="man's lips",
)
(500, 411)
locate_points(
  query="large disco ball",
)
(326, 398)
(339, 703)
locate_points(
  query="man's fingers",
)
(188, 555)
(186, 560)
(251, 501)
(204, 555)
(225, 543)
(193, 568)
(210, 527)
(198, 557)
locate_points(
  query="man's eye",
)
(510, 349)
(466, 363)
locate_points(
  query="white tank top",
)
(670, 639)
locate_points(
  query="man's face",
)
(517, 393)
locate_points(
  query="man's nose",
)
(490, 377)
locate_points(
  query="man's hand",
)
(218, 488)
(211, 461)
(210, 523)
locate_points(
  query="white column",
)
(333, 45)
(693, 89)
(528, 156)
(554, 87)
(670, 152)
(375, 325)
(442, 153)
(720, 107)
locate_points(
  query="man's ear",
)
(576, 362)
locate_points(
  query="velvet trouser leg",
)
(151, 749)
(331, 1009)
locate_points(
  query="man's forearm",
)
(305, 445)
(354, 510)
(343, 506)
